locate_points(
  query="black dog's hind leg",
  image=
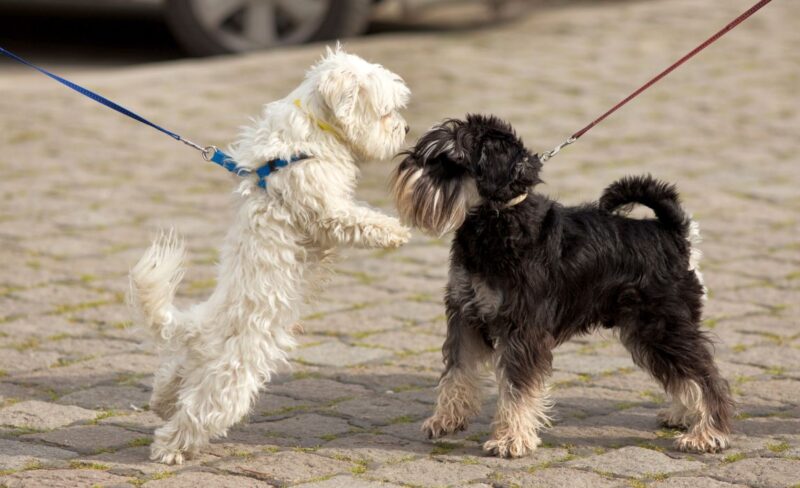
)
(523, 362)
(677, 353)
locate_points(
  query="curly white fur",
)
(217, 354)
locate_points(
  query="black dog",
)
(527, 273)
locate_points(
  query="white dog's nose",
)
(407, 129)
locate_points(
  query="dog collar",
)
(516, 200)
(324, 126)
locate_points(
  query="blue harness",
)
(210, 153)
(214, 155)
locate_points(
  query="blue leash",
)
(210, 153)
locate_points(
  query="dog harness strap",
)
(735, 22)
(219, 157)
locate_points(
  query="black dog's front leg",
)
(465, 352)
(523, 362)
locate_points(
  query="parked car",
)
(208, 27)
(221, 26)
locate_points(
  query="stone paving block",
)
(414, 284)
(347, 296)
(285, 467)
(388, 379)
(352, 322)
(16, 455)
(760, 473)
(303, 426)
(643, 419)
(585, 364)
(776, 425)
(347, 482)
(430, 473)
(138, 421)
(12, 360)
(786, 357)
(338, 354)
(472, 453)
(719, 309)
(635, 462)
(45, 327)
(74, 478)
(405, 340)
(93, 372)
(785, 391)
(88, 439)
(11, 393)
(200, 479)
(572, 433)
(62, 299)
(382, 449)
(593, 400)
(634, 380)
(269, 405)
(132, 461)
(108, 397)
(562, 477)
(695, 482)
(39, 415)
(319, 389)
(422, 361)
(378, 410)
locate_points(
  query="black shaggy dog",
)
(528, 273)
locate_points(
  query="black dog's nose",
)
(407, 129)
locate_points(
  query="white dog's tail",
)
(153, 282)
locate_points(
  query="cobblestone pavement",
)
(83, 190)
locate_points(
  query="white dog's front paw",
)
(163, 454)
(398, 236)
(394, 233)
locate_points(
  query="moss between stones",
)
(778, 448)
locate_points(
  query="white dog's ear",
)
(340, 89)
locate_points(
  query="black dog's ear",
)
(527, 169)
(530, 164)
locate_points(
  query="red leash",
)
(738, 20)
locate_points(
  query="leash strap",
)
(96, 97)
(210, 153)
(735, 22)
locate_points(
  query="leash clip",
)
(549, 154)
(208, 152)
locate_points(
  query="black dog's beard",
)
(435, 207)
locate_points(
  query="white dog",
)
(217, 354)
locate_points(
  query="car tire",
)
(340, 19)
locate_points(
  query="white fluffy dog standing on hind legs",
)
(217, 354)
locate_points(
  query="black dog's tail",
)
(645, 190)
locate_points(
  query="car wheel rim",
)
(242, 25)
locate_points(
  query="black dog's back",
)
(593, 265)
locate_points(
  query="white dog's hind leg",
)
(166, 383)
(213, 397)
